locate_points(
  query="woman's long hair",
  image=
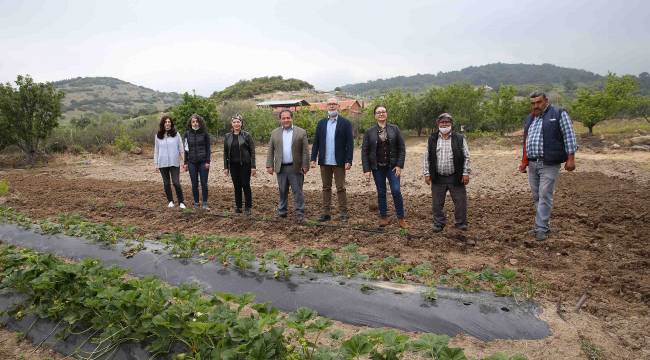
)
(199, 119)
(161, 127)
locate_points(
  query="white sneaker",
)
(171, 204)
(181, 205)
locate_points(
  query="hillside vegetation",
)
(96, 95)
(493, 75)
(248, 89)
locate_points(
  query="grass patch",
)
(614, 126)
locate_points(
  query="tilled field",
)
(599, 244)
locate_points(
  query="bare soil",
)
(12, 348)
(599, 245)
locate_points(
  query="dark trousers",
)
(197, 170)
(439, 188)
(172, 172)
(326, 173)
(241, 180)
(381, 174)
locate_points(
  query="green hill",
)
(248, 89)
(492, 75)
(88, 95)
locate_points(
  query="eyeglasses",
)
(380, 112)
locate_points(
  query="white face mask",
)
(332, 114)
(445, 130)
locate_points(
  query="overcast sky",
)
(208, 45)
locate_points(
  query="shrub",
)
(124, 142)
(76, 149)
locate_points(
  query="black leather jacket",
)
(395, 143)
(246, 149)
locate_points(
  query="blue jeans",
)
(380, 175)
(542, 183)
(198, 170)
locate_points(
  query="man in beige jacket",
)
(288, 158)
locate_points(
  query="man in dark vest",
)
(446, 167)
(549, 141)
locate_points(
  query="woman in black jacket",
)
(197, 158)
(239, 161)
(383, 153)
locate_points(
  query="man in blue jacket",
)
(333, 147)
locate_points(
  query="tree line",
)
(30, 111)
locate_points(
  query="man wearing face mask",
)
(333, 147)
(549, 141)
(446, 167)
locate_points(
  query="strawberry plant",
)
(390, 268)
(239, 252)
(87, 298)
(322, 260)
(281, 261)
(350, 262)
(11, 216)
(431, 292)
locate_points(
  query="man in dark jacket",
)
(446, 167)
(549, 141)
(333, 147)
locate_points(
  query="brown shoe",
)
(384, 221)
(402, 224)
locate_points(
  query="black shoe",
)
(343, 218)
(238, 211)
(324, 218)
(462, 227)
(283, 216)
(247, 211)
(437, 228)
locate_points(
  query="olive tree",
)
(28, 114)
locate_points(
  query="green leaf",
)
(452, 354)
(356, 346)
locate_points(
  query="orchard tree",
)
(28, 114)
(260, 122)
(464, 102)
(429, 105)
(640, 106)
(194, 104)
(594, 106)
(308, 120)
(504, 111)
(401, 108)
